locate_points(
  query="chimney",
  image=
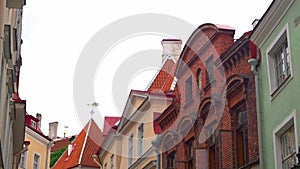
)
(70, 149)
(53, 130)
(171, 49)
(255, 22)
(39, 117)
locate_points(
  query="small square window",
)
(33, 124)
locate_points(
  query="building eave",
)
(36, 136)
(270, 20)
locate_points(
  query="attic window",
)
(33, 123)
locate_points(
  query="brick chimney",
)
(53, 130)
(171, 49)
(39, 117)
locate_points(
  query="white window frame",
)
(24, 162)
(112, 158)
(130, 156)
(39, 162)
(278, 131)
(32, 123)
(273, 88)
(140, 141)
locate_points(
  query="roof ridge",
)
(84, 143)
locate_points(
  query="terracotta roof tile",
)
(164, 78)
(59, 144)
(85, 144)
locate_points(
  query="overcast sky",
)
(55, 33)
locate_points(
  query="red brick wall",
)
(221, 46)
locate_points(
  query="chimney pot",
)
(255, 22)
(171, 49)
(39, 117)
(70, 149)
(53, 130)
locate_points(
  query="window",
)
(32, 123)
(112, 162)
(199, 79)
(188, 89)
(190, 153)
(171, 161)
(130, 150)
(36, 161)
(212, 156)
(282, 63)
(212, 145)
(140, 139)
(288, 148)
(210, 70)
(285, 143)
(105, 166)
(279, 62)
(241, 135)
(23, 160)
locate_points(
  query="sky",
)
(56, 32)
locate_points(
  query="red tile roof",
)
(37, 128)
(109, 122)
(59, 144)
(164, 78)
(86, 144)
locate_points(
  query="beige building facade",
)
(38, 154)
(130, 145)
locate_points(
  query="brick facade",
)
(217, 112)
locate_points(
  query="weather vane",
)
(95, 104)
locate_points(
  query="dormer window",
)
(33, 123)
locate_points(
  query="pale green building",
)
(277, 35)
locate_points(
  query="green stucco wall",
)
(288, 100)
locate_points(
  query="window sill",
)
(280, 88)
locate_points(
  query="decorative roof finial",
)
(95, 104)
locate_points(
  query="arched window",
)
(199, 79)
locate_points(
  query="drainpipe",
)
(95, 157)
(155, 144)
(253, 63)
(47, 153)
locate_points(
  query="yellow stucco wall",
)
(36, 147)
(132, 128)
